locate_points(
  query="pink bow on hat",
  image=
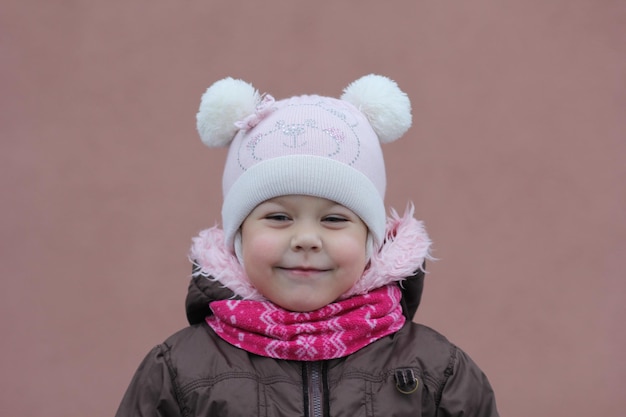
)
(262, 110)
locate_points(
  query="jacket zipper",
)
(314, 389)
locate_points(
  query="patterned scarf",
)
(333, 331)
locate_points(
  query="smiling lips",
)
(304, 270)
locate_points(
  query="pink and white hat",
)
(308, 145)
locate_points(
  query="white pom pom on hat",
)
(387, 108)
(310, 145)
(222, 105)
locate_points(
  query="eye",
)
(335, 219)
(278, 217)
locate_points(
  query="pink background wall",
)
(516, 162)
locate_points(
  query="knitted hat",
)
(308, 145)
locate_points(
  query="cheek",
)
(259, 248)
(351, 251)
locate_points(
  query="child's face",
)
(303, 252)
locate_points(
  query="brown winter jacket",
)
(414, 372)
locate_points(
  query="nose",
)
(306, 238)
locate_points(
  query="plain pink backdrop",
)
(516, 162)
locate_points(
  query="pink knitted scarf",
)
(334, 331)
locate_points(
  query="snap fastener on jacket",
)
(406, 381)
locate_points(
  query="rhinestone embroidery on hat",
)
(339, 141)
(293, 131)
(338, 135)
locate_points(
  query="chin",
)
(303, 307)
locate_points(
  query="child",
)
(302, 304)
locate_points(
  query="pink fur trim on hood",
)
(402, 254)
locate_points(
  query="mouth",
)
(304, 271)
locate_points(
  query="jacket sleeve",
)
(151, 391)
(467, 391)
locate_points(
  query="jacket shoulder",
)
(458, 385)
(430, 352)
(190, 359)
(197, 347)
